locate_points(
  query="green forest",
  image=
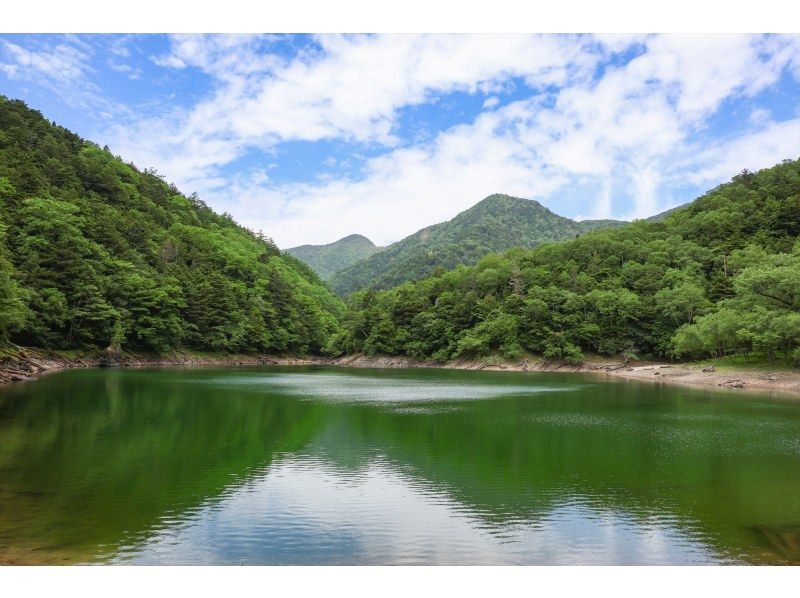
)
(496, 223)
(718, 277)
(95, 253)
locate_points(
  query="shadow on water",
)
(93, 463)
(784, 541)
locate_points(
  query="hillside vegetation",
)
(325, 260)
(497, 223)
(716, 277)
(95, 253)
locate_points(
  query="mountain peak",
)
(502, 200)
(354, 238)
(327, 259)
(496, 223)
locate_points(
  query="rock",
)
(732, 383)
(109, 359)
(105, 361)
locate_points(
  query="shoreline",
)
(21, 364)
(761, 379)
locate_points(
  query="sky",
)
(312, 138)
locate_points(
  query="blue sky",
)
(311, 138)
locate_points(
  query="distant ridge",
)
(662, 215)
(496, 223)
(327, 259)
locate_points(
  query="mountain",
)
(717, 277)
(327, 259)
(588, 225)
(95, 253)
(663, 215)
(496, 223)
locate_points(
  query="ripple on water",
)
(235, 469)
(367, 389)
(303, 512)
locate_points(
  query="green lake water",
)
(345, 466)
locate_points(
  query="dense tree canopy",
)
(95, 253)
(497, 223)
(719, 276)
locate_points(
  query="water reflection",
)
(347, 466)
(301, 512)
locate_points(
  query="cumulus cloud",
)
(620, 114)
(398, 192)
(348, 87)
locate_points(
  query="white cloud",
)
(633, 128)
(399, 192)
(765, 146)
(759, 116)
(126, 69)
(351, 88)
(169, 61)
(60, 64)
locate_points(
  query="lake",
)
(316, 465)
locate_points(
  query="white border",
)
(400, 582)
(691, 16)
(348, 16)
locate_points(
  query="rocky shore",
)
(696, 374)
(22, 363)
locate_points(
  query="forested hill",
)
(496, 223)
(327, 259)
(716, 277)
(95, 253)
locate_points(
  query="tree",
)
(14, 311)
(95, 253)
